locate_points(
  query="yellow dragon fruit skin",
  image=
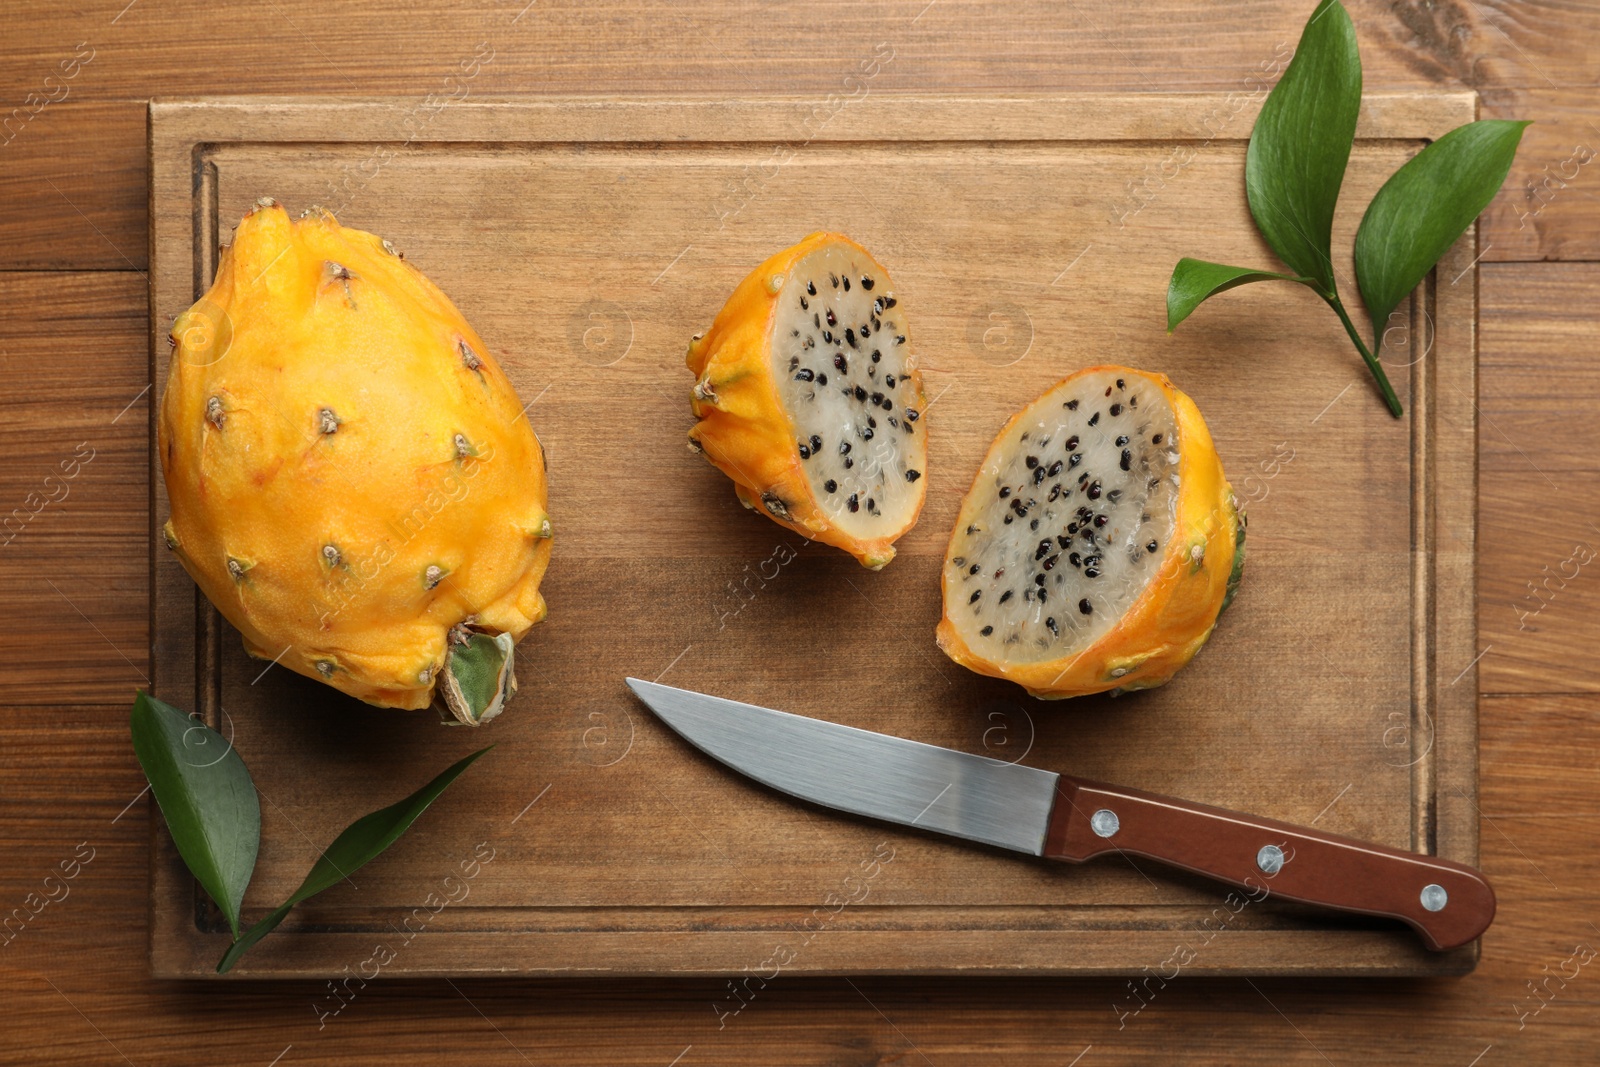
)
(350, 473)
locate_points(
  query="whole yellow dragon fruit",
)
(352, 478)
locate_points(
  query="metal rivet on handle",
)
(1270, 859)
(1105, 822)
(1434, 898)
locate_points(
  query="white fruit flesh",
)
(1068, 520)
(841, 360)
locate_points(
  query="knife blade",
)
(1058, 816)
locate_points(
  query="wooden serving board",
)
(587, 239)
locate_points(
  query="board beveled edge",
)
(1445, 815)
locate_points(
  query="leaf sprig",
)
(1293, 170)
(210, 803)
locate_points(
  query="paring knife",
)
(1064, 818)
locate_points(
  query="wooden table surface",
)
(74, 606)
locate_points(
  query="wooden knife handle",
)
(1448, 903)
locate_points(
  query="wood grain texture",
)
(662, 240)
(1533, 60)
(73, 489)
(78, 955)
(1540, 482)
(93, 947)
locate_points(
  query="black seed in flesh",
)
(832, 321)
(1108, 390)
(831, 486)
(866, 331)
(866, 435)
(1031, 461)
(847, 283)
(1156, 440)
(900, 339)
(827, 337)
(872, 422)
(972, 528)
(1005, 491)
(794, 361)
(986, 631)
(1038, 475)
(1114, 496)
(974, 568)
(1075, 559)
(888, 405)
(1122, 440)
(876, 355)
(805, 375)
(912, 414)
(1100, 522)
(1127, 460)
(1121, 384)
(877, 398)
(848, 463)
(1005, 596)
(1038, 579)
(1074, 459)
(1133, 401)
(816, 443)
(822, 379)
(888, 379)
(1055, 468)
(803, 305)
(1090, 572)
(1094, 420)
(834, 278)
(1049, 564)
(844, 448)
(877, 307)
(1065, 541)
(1034, 525)
(853, 503)
(811, 288)
(1085, 607)
(816, 320)
(1051, 623)
(1116, 409)
(1055, 492)
(1093, 490)
(1072, 442)
(1043, 549)
(1151, 547)
(1008, 520)
(805, 453)
(867, 282)
(913, 475)
(850, 337)
(1071, 405)
(973, 599)
(889, 302)
(840, 363)
(872, 506)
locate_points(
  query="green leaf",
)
(1424, 207)
(1301, 143)
(206, 794)
(1194, 280)
(360, 843)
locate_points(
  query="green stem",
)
(1372, 360)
